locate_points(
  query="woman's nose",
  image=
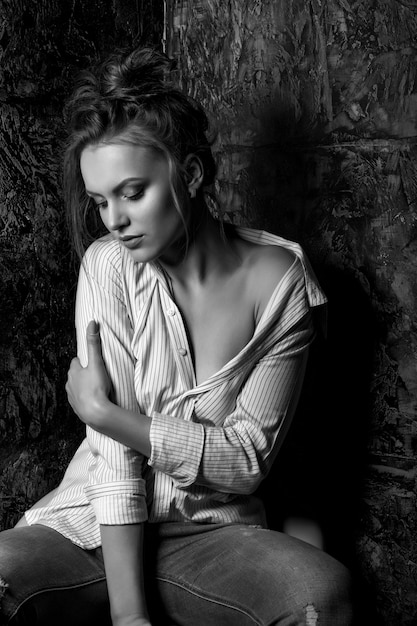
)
(116, 217)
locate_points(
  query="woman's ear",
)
(195, 173)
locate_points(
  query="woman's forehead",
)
(112, 162)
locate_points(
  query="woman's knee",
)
(300, 580)
(42, 572)
(327, 596)
(318, 587)
(15, 555)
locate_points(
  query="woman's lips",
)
(131, 241)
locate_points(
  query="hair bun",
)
(138, 74)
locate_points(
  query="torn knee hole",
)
(311, 615)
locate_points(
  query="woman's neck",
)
(207, 254)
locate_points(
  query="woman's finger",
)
(93, 343)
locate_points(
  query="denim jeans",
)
(196, 575)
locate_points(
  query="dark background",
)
(314, 106)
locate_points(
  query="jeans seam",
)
(48, 589)
(210, 598)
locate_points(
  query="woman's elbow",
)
(246, 483)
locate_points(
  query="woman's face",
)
(130, 185)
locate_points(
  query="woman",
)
(192, 344)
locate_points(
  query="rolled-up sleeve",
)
(115, 488)
(177, 447)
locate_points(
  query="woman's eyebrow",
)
(119, 186)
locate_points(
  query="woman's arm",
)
(233, 458)
(123, 562)
(115, 487)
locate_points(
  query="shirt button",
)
(182, 351)
(171, 312)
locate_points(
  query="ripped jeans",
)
(215, 575)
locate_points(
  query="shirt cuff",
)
(119, 502)
(177, 448)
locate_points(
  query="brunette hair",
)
(130, 98)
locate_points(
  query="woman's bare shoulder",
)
(267, 265)
(273, 259)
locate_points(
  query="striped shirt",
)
(212, 443)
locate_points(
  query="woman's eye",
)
(100, 205)
(138, 194)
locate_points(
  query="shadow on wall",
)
(319, 472)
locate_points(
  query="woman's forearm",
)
(123, 562)
(128, 427)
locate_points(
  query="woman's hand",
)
(88, 388)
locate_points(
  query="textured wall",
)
(315, 107)
(42, 45)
